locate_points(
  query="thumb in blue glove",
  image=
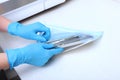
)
(30, 31)
(35, 54)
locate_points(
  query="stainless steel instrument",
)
(74, 41)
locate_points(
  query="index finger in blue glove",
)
(39, 38)
(44, 30)
(48, 46)
(46, 34)
(56, 51)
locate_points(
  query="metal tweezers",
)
(72, 42)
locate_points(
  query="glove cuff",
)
(12, 28)
(14, 57)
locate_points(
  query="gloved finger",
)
(47, 34)
(38, 38)
(56, 51)
(48, 46)
(43, 29)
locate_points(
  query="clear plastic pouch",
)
(70, 39)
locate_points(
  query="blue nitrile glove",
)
(35, 54)
(30, 31)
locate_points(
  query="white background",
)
(96, 61)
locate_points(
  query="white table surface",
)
(96, 61)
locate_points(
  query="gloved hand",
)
(30, 31)
(35, 54)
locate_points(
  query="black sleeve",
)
(2, 75)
